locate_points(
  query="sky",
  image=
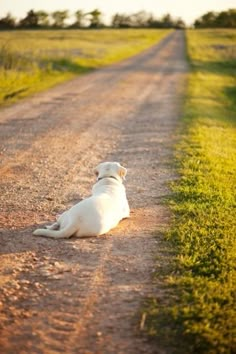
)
(188, 10)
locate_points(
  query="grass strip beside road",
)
(200, 312)
(32, 61)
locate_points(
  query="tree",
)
(167, 21)
(43, 18)
(59, 18)
(180, 24)
(95, 20)
(209, 19)
(226, 19)
(140, 19)
(30, 21)
(121, 21)
(80, 16)
(154, 23)
(7, 22)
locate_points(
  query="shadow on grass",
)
(65, 64)
(230, 93)
(14, 94)
(224, 67)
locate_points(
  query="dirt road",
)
(83, 295)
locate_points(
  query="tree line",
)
(224, 19)
(92, 19)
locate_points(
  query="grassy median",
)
(200, 311)
(31, 61)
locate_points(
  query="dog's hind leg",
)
(66, 232)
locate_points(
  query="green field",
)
(200, 310)
(31, 61)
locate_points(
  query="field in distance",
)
(31, 61)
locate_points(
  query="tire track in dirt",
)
(83, 295)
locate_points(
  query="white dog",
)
(97, 214)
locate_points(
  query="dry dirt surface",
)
(84, 295)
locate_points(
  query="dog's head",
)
(110, 169)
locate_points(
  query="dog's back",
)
(97, 214)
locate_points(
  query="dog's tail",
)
(66, 232)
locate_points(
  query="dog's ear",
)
(122, 172)
(96, 172)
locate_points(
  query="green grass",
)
(200, 312)
(31, 61)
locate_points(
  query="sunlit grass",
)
(31, 61)
(201, 308)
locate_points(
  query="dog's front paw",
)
(37, 232)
